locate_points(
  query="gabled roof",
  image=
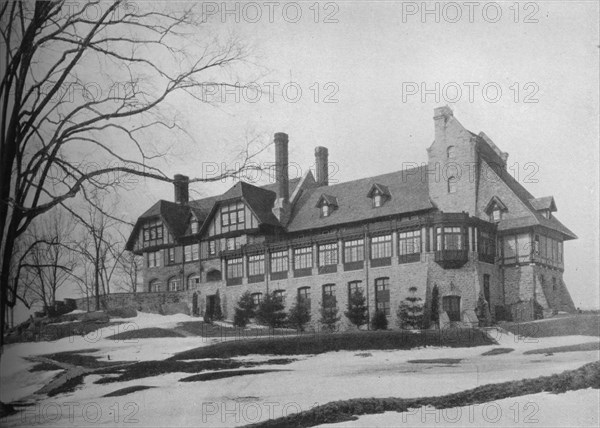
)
(409, 187)
(173, 215)
(260, 201)
(176, 216)
(544, 203)
(327, 200)
(494, 202)
(381, 188)
(536, 217)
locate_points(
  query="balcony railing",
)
(451, 259)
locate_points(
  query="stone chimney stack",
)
(181, 185)
(322, 166)
(281, 165)
(441, 116)
(281, 208)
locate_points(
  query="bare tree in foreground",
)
(63, 96)
(50, 263)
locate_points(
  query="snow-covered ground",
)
(573, 408)
(310, 381)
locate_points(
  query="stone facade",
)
(468, 214)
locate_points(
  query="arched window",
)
(451, 305)
(450, 152)
(174, 283)
(193, 281)
(280, 295)
(154, 286)
(329, 301)
(214, 275)
(256, 298)
(304, 295)
(452, 185)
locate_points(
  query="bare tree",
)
(94, 77)
(130, 266)
(49, 263)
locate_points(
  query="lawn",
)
(310, 343)
(587, 376)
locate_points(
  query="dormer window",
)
(496, 215)
(379, 194)
(194, 226)
(377, 201)
(495, 209)
(327, 204)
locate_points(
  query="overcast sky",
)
(362, 68)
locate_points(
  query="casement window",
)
(279, 261)
(382, 295)
(304, 295)
(303, 258)
(154, 286)
(450, 238)
(496, 215)
(174, 283)
(487, 247)
(256, 265)
(354, 250)
(328, 254)
(381, 247)
(153, 233)
(256, 299)
(409, 242)
(279, 295)
(329, 300)
(153, 258)
(171, 255)
(191, 252)
(377, 201)
(232, 214)
(452, 181)
(194, 226)
(233, 243)
(353, 287)
(193, 280)
(235, 268)
(212, 248)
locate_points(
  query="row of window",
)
(521, 248)
(381, 247)
(190, 253)
(382, 296)
(175, 283)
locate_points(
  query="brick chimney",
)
(441, 116)
(281, 208)
(281, 165)
(322, 166)
(181, 185)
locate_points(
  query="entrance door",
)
(451, 305)
(210, 306)
(195, 309)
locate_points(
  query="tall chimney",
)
(181, 185)
(322, 166)
(441, 116)
(281, 166)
